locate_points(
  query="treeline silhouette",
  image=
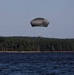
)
(35, 44)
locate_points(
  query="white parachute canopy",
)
(40, 22)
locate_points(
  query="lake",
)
(42, 63)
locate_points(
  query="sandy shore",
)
(31, 51)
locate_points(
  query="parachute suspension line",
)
(39, 35)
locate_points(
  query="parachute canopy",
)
(41, 22)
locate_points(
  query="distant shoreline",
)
(31, 51)
(35, 44)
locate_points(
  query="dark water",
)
(53, 63)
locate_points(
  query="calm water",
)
(53, 63)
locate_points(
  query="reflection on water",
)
(52, 63)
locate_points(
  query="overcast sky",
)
(15, 17)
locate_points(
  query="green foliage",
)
(35, 44)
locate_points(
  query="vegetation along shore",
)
(35, 44)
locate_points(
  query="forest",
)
(20, 43)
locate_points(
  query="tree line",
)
(35, 44)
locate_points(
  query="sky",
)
(15, 17)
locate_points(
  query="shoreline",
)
(31, 51)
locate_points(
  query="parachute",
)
(40, 22)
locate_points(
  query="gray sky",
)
(15, 17)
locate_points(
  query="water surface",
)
(43, 63)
